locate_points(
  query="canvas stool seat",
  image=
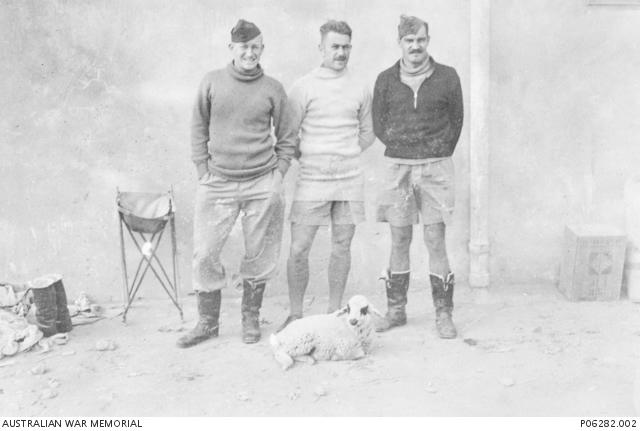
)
(146, 217)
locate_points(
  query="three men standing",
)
(240, 171)
(417, 114)
(332, 111)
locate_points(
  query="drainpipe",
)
(480, 24)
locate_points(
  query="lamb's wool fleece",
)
(343, 335)
(324, 336)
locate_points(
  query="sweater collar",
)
(425, 69)
(241, 75)
(430, 67)
(328, 73)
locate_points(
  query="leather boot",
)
(397, 285)
(63, 320)
(44, 299)
(208, 316)
(252, 292)
(442, 293)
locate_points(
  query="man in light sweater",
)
(417, 114)
(240, 171)
(332, 110)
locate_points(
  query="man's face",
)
(335, 49)
(246, 55)
(414, 47)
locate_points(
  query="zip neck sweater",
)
(413, 76)
(332, 111)
(421, 125)
(231, 125)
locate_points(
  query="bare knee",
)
(341, 237)
(299, 250)
(401, 237)
(434, 238)
(301, 241)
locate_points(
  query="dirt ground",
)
(522, 351)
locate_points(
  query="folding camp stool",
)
(148, 215)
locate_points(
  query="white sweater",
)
(332, 111)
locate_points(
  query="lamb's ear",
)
(375, 311)
(343, 310)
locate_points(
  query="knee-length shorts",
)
(420, 193)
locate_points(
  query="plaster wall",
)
(564, 126)
(97, 95)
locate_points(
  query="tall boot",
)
(63, 320)
(397, 285)
(208, 316)
(442, 293)
(252, 293)
(44, 299)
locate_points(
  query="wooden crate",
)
(593, 263)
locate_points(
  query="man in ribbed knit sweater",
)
(417, 114)
(332, 110)
(240, 171)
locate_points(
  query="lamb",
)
(345, 334)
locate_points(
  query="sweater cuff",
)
(283, 166)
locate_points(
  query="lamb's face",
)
(357, 310)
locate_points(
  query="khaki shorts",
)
(323, 213)
(417, 193)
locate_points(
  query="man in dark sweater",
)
(240, 171)
(417, 114)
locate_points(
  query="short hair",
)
(340, 27)
(410, 25)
